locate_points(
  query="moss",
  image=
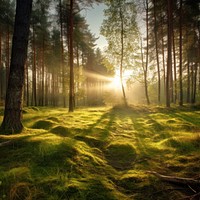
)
(121, 155)
(43, 124)
(100, 153)
(61, 131)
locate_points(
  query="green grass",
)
(100, 153)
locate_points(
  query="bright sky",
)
(94, 17)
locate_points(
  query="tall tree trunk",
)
(27, 86)
(169, 52)
(122, 56)
(34, 88)
(147, 50)
(7, 54)
(163, 56)
(13, 105)
(188, 82)
(1, 77)
(62, 54)
(174, 58)
(195, 84)
(145, 76)
(180, 59)
(157, 54)
(71, 58)
(43, 72)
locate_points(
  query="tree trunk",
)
(188, 82)
(169, 52)
(147, 52)
(180, 54)
(174, 58)
(13, 105)
(1, 83)
(62, 55)
(122, 57)
(7, 54)
(145, 76)
(71, 58)
(157, 54)
(163, 56)
(27, 86)
(195, 84)
(34, 92)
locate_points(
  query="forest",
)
(89, 123)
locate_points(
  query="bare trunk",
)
(169, 52)
(1, 78)
(122, 57)
(13, 105)
(7, 54)
(188, 82)
(180, 59)
(157, 55)
(34, 92)
(71, 58)
(145, 76)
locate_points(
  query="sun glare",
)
(115, 82)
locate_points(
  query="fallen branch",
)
(174, 179)
(3, 144)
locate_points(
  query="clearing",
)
(101, 153)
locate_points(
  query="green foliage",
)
(100, 153)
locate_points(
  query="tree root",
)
(189, 182)
(178, 180)
(7, 143)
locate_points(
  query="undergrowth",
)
(100, 154)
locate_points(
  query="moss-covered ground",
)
(100, 153)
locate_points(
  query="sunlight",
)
(116, 82)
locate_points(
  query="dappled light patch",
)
(121, 155)
(184, 144)
(43, 124)
(55, 154)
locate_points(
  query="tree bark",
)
(147, 52)
(145, 76)
(157, 54)
(1, 83)
(71, 58)
(169, 52)
(13, 105)
(34, 91)
(180, 54)
(122, 57)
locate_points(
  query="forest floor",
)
(101, 153)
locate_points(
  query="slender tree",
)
(71, 57)
(13, 105)
(169, 52)
(180, 54)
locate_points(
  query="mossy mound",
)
(121, 155)
(93, 189)
(43, 124)
(61, 131)
(91, 141)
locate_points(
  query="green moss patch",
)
(43, 124)
(61, 131)
(121, 155)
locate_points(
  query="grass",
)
(100, 153)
